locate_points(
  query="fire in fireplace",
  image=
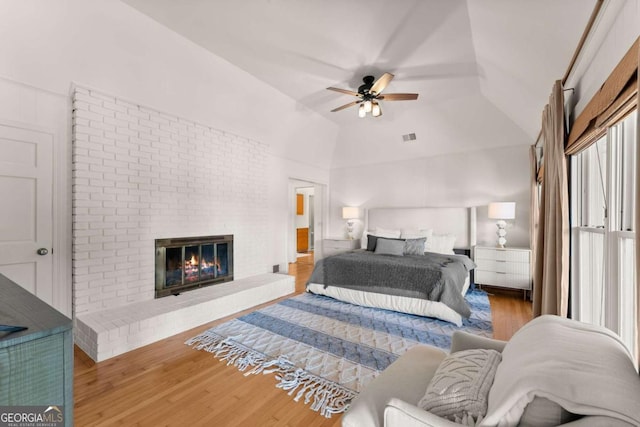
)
(192, 262)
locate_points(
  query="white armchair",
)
(400, 413)
(554, 371)
(405, 382)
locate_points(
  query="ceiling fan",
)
(370, 93)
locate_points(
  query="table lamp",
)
(350, 213)
(502, 211)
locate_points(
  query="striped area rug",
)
(325, 351)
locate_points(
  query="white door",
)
(319, 196)
(26, 216)
(312, 227)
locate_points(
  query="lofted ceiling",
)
(483, 68)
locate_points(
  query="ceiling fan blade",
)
(381, 83)
(346, 106)
(398, 97)
(348, 92)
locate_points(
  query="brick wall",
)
(139, 175)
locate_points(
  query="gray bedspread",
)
(432, 276)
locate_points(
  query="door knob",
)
(43, 251)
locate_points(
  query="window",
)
(590, 171)
(603, 235)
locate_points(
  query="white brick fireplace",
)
(141, 175)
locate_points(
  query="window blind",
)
(615, 99)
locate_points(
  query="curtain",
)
(637, 223)
(551, 274)
(533, 205)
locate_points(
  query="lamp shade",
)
(362, 113)
(502, 210)
(376, 111)
(350, 212)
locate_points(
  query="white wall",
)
(141, 175)
(468, 179)
(108, 45)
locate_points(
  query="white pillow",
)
(415, 233)
(363, 239)
(441, 243)
(388, 233)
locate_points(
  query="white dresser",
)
(332, 246)
(503, 267)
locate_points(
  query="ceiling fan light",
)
(376, 111)
(367, 106)
(361, 111)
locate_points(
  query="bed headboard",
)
(458, 221)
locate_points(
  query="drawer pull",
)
(500, 272)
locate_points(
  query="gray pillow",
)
(414, 246)
(389, 246)
(371, 242)
(460, 387)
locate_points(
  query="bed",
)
(427, 284)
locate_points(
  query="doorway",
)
(311, 223)
(306, 219)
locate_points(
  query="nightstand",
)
(503, 267)
(335, 246)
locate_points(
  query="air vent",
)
(409, 137)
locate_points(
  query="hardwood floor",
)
(302, 269)
(170, 384)
(509, 312)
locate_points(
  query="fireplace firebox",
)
(188, 263)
